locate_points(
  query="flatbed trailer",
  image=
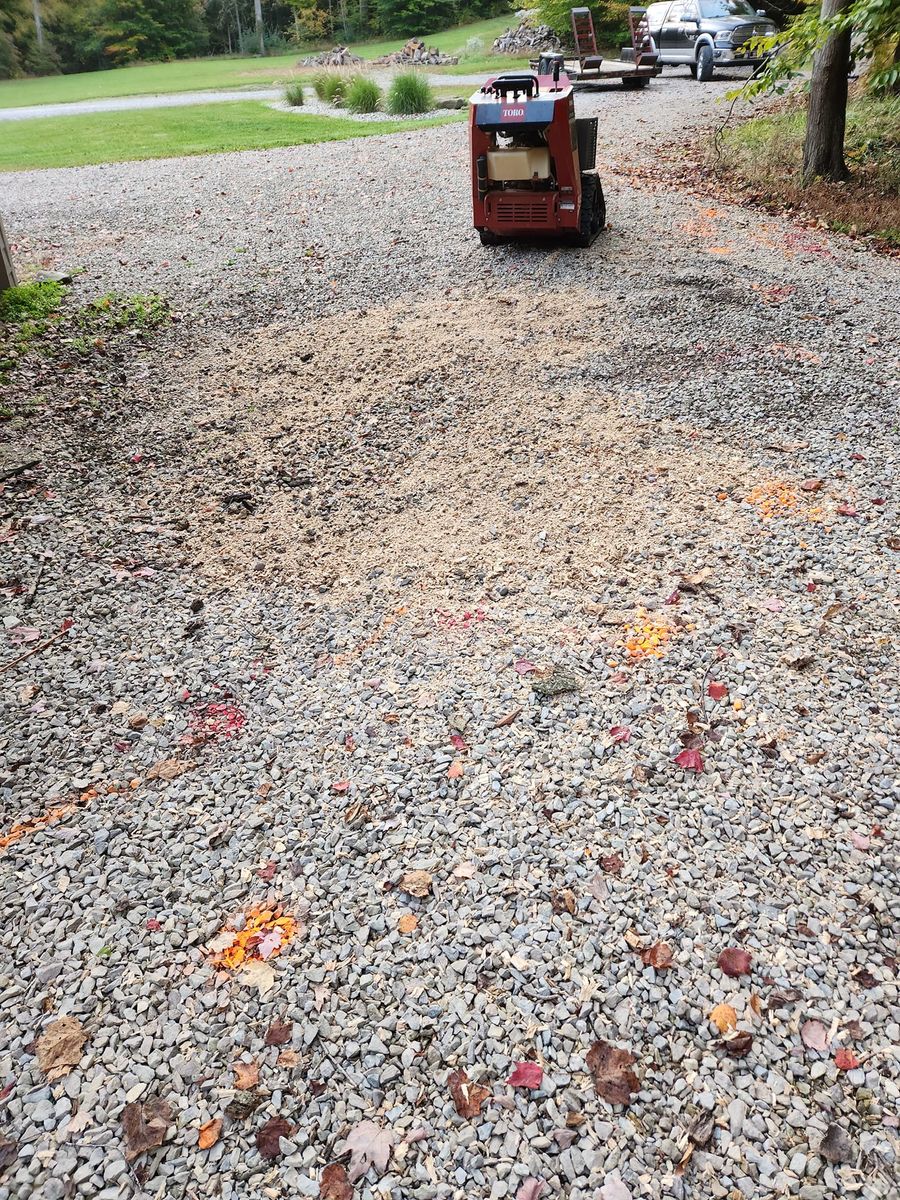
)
(587, 67)
(611, 69)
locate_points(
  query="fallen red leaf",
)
(845, 1060)
(468, 1097)
(689, 760)
(810, 485)
(673, 597)
(268, 871)
(810, 587)
(858, 457)
(717, 691)
(524, 667)
(620, 733)
(458, 742)
(341, 785)
(847, 510)
(153, 925)
(612, 864)
(526, 1075)
(734, 962)
(614, 1079)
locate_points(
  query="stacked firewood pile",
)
(340, 56)
(525, 38)
(416, 54)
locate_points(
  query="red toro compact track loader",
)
(533, 173)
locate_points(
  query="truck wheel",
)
(704, 63)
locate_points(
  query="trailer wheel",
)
(704, 63)
(488, 238)
(633, 84)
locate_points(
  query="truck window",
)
(713, 9)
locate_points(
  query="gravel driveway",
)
(505, 620)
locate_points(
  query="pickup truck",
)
(704, 34)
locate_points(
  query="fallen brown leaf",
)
(563, 901)
(369, 1146)
(334, 1184)
(288, 1058)
(246, 1075)
(836, 1145)
(508, 719)
(614, 1079)
(737, 1044)
(170, 768)
(268, 1136)
(416, 883)
(9, 1152)
(279, 1032)
(145, 1125)
(468, 1097)
(60, 1046)
(244, 1104)
(658, 956)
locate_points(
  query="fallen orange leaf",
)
(723, 1017)
(209, 1133)
(456, 769)
(407, 923)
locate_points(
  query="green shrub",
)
(293, 93)
(408, 94)
(363, 95)
(30, 301)
(331, 86)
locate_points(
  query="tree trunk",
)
(38, 23)
(363, 15)
(7, 271)
(260, 33)
(826, 114)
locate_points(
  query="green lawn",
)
(206, 73)
(169, 132)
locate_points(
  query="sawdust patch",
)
(451, 442)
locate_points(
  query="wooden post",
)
(7, 271)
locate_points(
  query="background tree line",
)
(39, 37)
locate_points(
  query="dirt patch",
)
(449, 442)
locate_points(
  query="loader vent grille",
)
(523, 212)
